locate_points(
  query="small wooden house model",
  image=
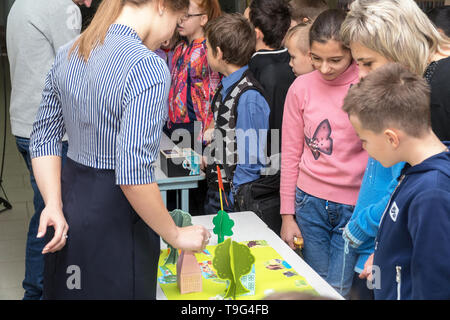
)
(189, 274)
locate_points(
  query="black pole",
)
(4, 201)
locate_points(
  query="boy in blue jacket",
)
(390, 111)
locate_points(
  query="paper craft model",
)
(222, 225)
(233, 260)
(189, 274)
(181, 219)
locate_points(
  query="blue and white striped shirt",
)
(113, 107)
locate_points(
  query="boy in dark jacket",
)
(270, 63)
(390, 111)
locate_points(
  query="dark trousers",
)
(212, 202)
(359, 290)
(110, 252)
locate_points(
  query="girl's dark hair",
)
(327, 26)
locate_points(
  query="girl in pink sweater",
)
(322, 159)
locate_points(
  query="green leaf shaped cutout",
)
(222, 225)
(233, 260)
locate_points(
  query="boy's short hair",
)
(301, 32)
(310, 9)
(234, 35)
(391, 96)
(273, 18)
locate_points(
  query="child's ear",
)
(259, 34)
(161, 7)
(392, 137)
(219, 54)
(203, 20)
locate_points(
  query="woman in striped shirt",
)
(108, 92)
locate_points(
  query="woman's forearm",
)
(47, 172)
(146, 200)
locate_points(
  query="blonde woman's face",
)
(367, 59)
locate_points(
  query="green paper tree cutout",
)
(181, 219)
(222, 225)
(233, 260)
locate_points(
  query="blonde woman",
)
(378, 32)
(399, 31)
(108, 91)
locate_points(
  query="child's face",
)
(367, 59)
(191, 25)
(213, 61)
(330, 58)
(300, 62)
(377, 145)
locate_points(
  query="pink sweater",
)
(321, 153)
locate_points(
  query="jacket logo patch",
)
(393, 212)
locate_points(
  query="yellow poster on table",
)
(269, 274)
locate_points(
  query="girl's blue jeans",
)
(321, 223)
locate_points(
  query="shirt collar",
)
(228, 82)
(123, 30)
(264, 52)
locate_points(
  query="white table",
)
(248, 226)
(182, 184)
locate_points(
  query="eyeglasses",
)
(188, 16)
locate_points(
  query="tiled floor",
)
(14, 222)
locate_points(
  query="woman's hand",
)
(47, 171)
(289, 230)
(193, 238)
(54, 217)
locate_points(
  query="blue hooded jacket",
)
(376, 188)
(412, 247)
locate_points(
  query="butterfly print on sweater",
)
(321, 142)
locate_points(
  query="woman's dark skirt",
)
(110, 252)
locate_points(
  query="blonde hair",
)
(301, 31)
(397, 29)
(107, 13)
